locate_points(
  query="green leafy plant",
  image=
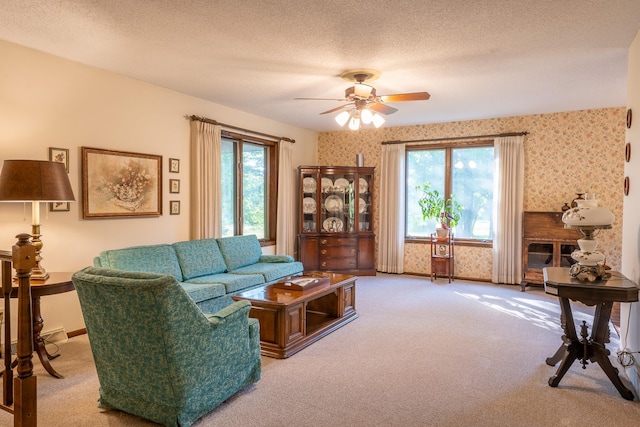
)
(434, 206)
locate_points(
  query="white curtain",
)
(392, 206)
(508, 199)
(206, 180)
(286, 221)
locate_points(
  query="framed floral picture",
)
(59, 207)
(174, 206)
(174, 186)
(120, 184)
(174, 165)
(60, 155)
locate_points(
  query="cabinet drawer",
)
(351, 241)
(338, 251)
(338, 263)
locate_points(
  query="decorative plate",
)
(362, 205)
(333, 225)
(334, 204)
(326, 185)
(309, 205)
(308, 185)
(342, 184)
(363, 185)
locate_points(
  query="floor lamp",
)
(35, 181)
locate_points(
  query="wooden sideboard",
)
(545, 243)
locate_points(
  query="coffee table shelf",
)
(292, 320)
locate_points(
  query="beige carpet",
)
(420, 354)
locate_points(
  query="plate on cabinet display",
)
(334, 204)
(627, 152)
(309, 185)
(309, 205)
(342, 184)
(326, 185)
(363, 185)
(333, 225)
(629, 118)
(362, 205)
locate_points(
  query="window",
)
(462, 170)
(248, 186)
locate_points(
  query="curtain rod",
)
(214, 122)
(456, 138)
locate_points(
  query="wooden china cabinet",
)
(336, 219)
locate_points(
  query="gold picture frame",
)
(119, 184)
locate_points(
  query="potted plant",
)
(435, 206)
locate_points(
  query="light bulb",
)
(342, 118)
(366, 116)
(378, 120)
(354, 123)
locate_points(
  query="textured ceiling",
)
(477, 59)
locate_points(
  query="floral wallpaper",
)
(565, 153)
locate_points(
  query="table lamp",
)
(35, 181)
(588, 217)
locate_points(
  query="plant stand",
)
(442, 256)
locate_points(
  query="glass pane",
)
(363, 201)
(425, 166)
(228, 188)
(338, 204)
(472, 187)
(540, 255)
(254, 184)
(309, 203)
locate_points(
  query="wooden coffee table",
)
(292, 320)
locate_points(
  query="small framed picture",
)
(60, 155)
(59, 207)
(174, 207)
(174, 186)
(174, 165)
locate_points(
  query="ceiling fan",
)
(363, 103)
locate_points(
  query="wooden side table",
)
(442, 257)
(57, 283)
(601, 294)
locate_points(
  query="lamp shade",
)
(588, 214)
(34, 180)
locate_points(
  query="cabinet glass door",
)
(363, 202)
(565, 255)
(337, 203)
(310, 190)
(539, 255)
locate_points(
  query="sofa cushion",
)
(203, 292)
(275, 258)
(160, 259)
(239, 251)
(232, 282)
(271, 271)
(199, 258)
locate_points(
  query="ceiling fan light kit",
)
(364, 105)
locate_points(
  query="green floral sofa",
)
(209, 270)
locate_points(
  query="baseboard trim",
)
(77, 332)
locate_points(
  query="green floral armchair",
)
(157, 355)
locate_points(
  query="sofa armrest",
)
(276, 258)
(231, 313)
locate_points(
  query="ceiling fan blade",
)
(342, 107)
(381, 108)
(399, 97)
(320, 99)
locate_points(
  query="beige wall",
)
(564, 153)
(630, 313)
(47, 102)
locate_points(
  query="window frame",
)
(447, 147)
(271, 184)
